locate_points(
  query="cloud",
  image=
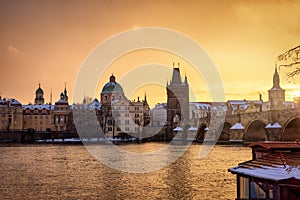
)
(13, 51)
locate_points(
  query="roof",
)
(178, 129)
(237, 126)
(276, 166)
(61, 102)
(39, 107)
(39, 90)
(276, 145)
(112, 86)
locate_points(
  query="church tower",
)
(39, 96)
(276, 93)
(177, 99)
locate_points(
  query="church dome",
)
(39, 90)
(112, 86)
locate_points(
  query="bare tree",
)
(291, 59)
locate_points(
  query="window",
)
(126, 114)
(126, 128)
(126, 108)
(136, 108)
(105, 98)
(109, 128)
(136, 115)
(126, 121)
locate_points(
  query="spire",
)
(145, 98)
(276, 79)
(185, 78)
(112, 78)
(65, 93)
(51, 96)
(84, 99)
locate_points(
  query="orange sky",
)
(46, 41)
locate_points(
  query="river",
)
(60, 171)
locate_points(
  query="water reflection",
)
(70, 172)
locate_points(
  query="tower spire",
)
(66, 93)
(276, 79)
(51, 96)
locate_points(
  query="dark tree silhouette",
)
(291, 59)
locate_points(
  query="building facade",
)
(120, 115)
(11, 116)
(47, 117)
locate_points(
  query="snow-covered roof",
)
(15, 102)
(39, 107)
(202, 106)
(12, 101)
(178, 129)
(275, 166)
(237, 126)
(61, 101)
(268, 126)
(192, 129)
(160, 105)
(95, 104)
(276, 125)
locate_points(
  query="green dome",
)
(112, 86)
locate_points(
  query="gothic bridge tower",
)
(177, 99)
(276, 93)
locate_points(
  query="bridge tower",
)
(177, 100)
(276, 93)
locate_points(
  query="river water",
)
(52, 171)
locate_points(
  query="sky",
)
(48, 41)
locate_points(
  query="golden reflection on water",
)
(69, 172)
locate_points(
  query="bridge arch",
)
(291, 130)
(255, 131)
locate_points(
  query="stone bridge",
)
(254, 126)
